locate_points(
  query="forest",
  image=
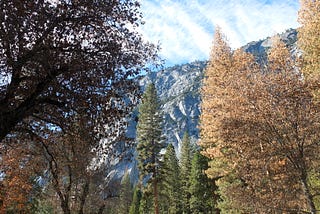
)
(68, 73)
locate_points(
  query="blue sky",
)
(185, 28)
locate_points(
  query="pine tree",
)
(219, 91)
(149, 136)
(125, 194)
(201, 187)
(171, 182)
(185, 165)
(135, 205)
(146, 201)
(214, 94)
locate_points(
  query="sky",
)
(185, 28)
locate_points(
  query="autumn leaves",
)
(259, 123)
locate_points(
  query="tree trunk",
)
(65, 207)
(84, 196)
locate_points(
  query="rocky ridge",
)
(179, 91)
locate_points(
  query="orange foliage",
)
(259, 126)
(16, 184)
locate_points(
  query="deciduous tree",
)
(68, 158)
(309, 37)
(61, 57)
(17, 173)
(265, 132)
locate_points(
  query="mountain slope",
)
(179, 91)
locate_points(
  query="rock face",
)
(260, 48)
(178, 88)
(179, 91)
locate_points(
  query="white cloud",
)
(185, 28)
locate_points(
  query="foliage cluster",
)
(259, 124)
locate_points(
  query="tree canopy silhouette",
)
(60, 58)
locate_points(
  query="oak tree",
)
(265, 137)
(17, 169)
(309, 37)
(72, 180)
(66, 56)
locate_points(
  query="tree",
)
(67, 157)
(185, 165)
(201, 187)
(171, 186)
(19, 166)
(125, 194)
(278, 122)
(266, 134)
(62, 57)
(16, 184)
(308, 36)
(135, 205)
(217, 92)
(308, 43)
(149, 137)
(147, 202)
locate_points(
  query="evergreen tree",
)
(125, 194)
(171, 182)
(185, 165)
(150, 143)
(135, 205)
(217, 92)
(146, 202)
(201, 187)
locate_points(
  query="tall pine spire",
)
(149, 136)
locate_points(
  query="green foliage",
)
(150, 141)
(135, 205)
(201, 187)
(149, 130)
(170, 185)
(146, 204)
(42, 207)
(314, 183)
(125, 194)
(185, 165)
(225, 203)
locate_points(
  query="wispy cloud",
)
(185, 28)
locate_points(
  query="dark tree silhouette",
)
(66, 57)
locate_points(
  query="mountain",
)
(179, 91)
